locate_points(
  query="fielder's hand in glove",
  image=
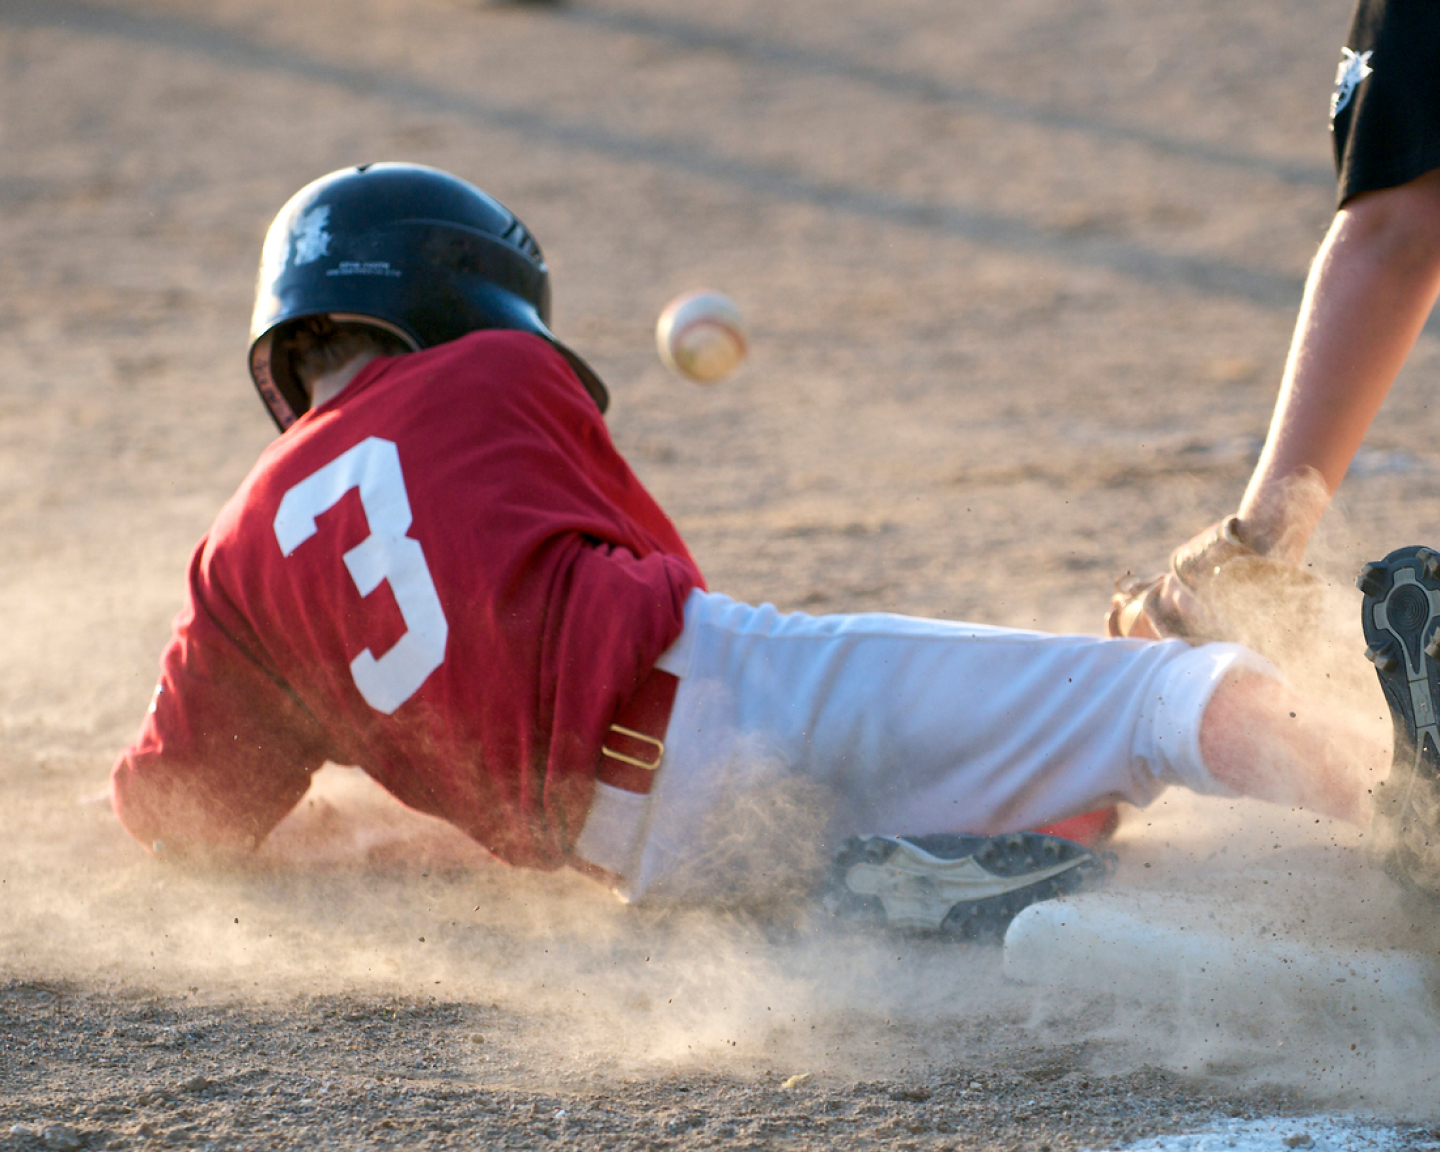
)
(1218, 588)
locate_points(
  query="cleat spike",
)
(1371, 580)
(1383, 658)
(876, 851)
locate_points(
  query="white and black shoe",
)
(966, 886)
(1401, 617)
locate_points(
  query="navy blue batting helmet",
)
(408, 249)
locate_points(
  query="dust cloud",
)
(357, 897)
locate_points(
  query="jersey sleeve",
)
(225, 751)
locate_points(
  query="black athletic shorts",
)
(1385, 111)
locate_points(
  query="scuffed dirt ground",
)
(1020, 279)
(352, 1072)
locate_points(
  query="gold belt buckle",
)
(631, 760)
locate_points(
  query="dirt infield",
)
(1020, 279)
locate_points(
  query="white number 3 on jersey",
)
(373, 466)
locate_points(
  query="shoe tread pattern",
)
(1023, 867)
(1401, 619)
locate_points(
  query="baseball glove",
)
(1218, 588)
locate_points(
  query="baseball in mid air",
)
(701, 335)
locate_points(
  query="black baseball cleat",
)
(966, 886)
(1401, 617)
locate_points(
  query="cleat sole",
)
(1401, 619)
(967, 887)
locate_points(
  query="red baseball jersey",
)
(446, 575)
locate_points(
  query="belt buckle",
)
(659, 746)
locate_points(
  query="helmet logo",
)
(363, 268)
(309, 237)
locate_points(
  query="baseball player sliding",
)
(443, 571)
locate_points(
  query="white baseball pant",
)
(791, 725)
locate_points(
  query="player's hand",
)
(1157, 608)
(1218, 588)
